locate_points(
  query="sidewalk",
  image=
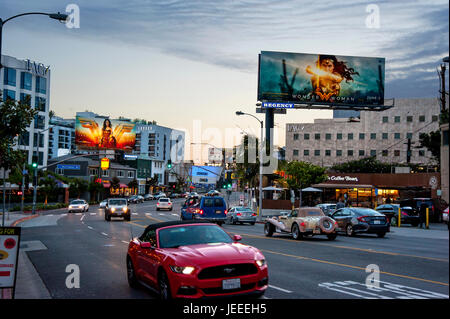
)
(435, 231)
(29, 284)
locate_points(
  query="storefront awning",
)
(323, 185)
(123, 185)
(106, 185)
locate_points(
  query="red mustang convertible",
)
(195, 259)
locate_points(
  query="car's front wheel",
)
(296, 232)
(164, 287)
(131, 275)
(269, 229)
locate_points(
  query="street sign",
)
(104, 164)
(278, 105)
(68, 166)
(9, 254)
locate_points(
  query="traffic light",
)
(169, 164)
(34, 161)
(229, 186)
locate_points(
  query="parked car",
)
(213, 193)
(192, 259)
(194, 194)
(164, 203)
(302, 222)
(211, 208)
(328, 209)
(408, 214)
(445, 217)
(117, 207)
(159, 195)
(103, 203)
(435, 214)
(173, 195)
(135, 199)
(361, 220)
(78, 205)
(149, 197)
(240, 214)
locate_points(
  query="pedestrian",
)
(422, 215)
(340, 204)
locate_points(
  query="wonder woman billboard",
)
(320, 79)
(103, 133)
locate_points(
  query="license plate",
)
(377, 222)
(316, 231)
(218, 212)
(231, 284)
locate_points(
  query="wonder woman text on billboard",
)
(320, 78)
(101, 133)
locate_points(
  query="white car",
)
(78, 205)
(164, 203)
(103, 203)
(160, 195)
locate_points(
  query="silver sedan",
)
(240, 214)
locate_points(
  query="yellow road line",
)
(347, 247)
(351, 266)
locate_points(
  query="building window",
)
(361, 152)
(349, 152)
(24, 139)
(361, 136)
(41, 140)
(316, 152)
(59, 171)
(409, 119)
(25, 81)
(422, 118)
(317, 136)
(105, 173)
(130, 174)
(397, 119)
(327, 152)
(305, 152)
(328, 136)
(25, 99)
(373, 136)
(9, 77)
(39, 103)
(93, 171)
(445, 137)
(373, 152)
(397, 136)
(338, 152)
(350, 136)
(421, 153)
(295, 137)
(434, 118)
(41, 85)
(295, 153)
(385, 152)
(385, 136)
(306, 136)
(9, 95)
(119, 173)
(396, 152)
(39, 122)
(385, 119)
(339, 136)
(409, 135)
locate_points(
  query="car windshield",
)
(117, 202)
(164, 200)
(243, 209)
(366, 212)
(77, 202)
(192, 235)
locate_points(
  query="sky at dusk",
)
(195, 61)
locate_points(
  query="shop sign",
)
(343, 178)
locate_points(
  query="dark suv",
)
(211, 208)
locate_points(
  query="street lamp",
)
(57, 16)
(260, 159)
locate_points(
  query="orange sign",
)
(104, 164)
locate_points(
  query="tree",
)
(302, 174)
(47, 185)
(133, 184)
(78, 185)
(115, 183)
(95, 188)
(432, 142)
(364, 165)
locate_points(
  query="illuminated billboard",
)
(103, 133)
(320, 79)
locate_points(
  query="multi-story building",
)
(61, 137)
(382, 134)
(29, 81)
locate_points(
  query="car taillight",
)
(361, 219)
(238, 214)
(303, 224)
(200, 211)
(432, 208)
(226, 212)
(404, 214)
(254, 214)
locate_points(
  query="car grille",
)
(228, 271)
(220, 290)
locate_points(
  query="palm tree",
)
(47, 185)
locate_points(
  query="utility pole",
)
(443, 68)
(408, 151)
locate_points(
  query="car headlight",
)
(113, 209)
(125, 209)
(261, 262)
(70, 206)
(182, 270)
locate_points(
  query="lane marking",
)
(92, 214)
(134, 214)
(174, 214)
(347, 247)
(353, 267)
(153, 218)
(50, 215)
(82, 217)
(125, 242)
(104, 234)
(64, 214)
(78, 214)
(90, 227)
(280, 289)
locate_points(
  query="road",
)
(412, 263)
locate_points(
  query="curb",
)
(14, 224)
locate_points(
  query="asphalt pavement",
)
(412, 263)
